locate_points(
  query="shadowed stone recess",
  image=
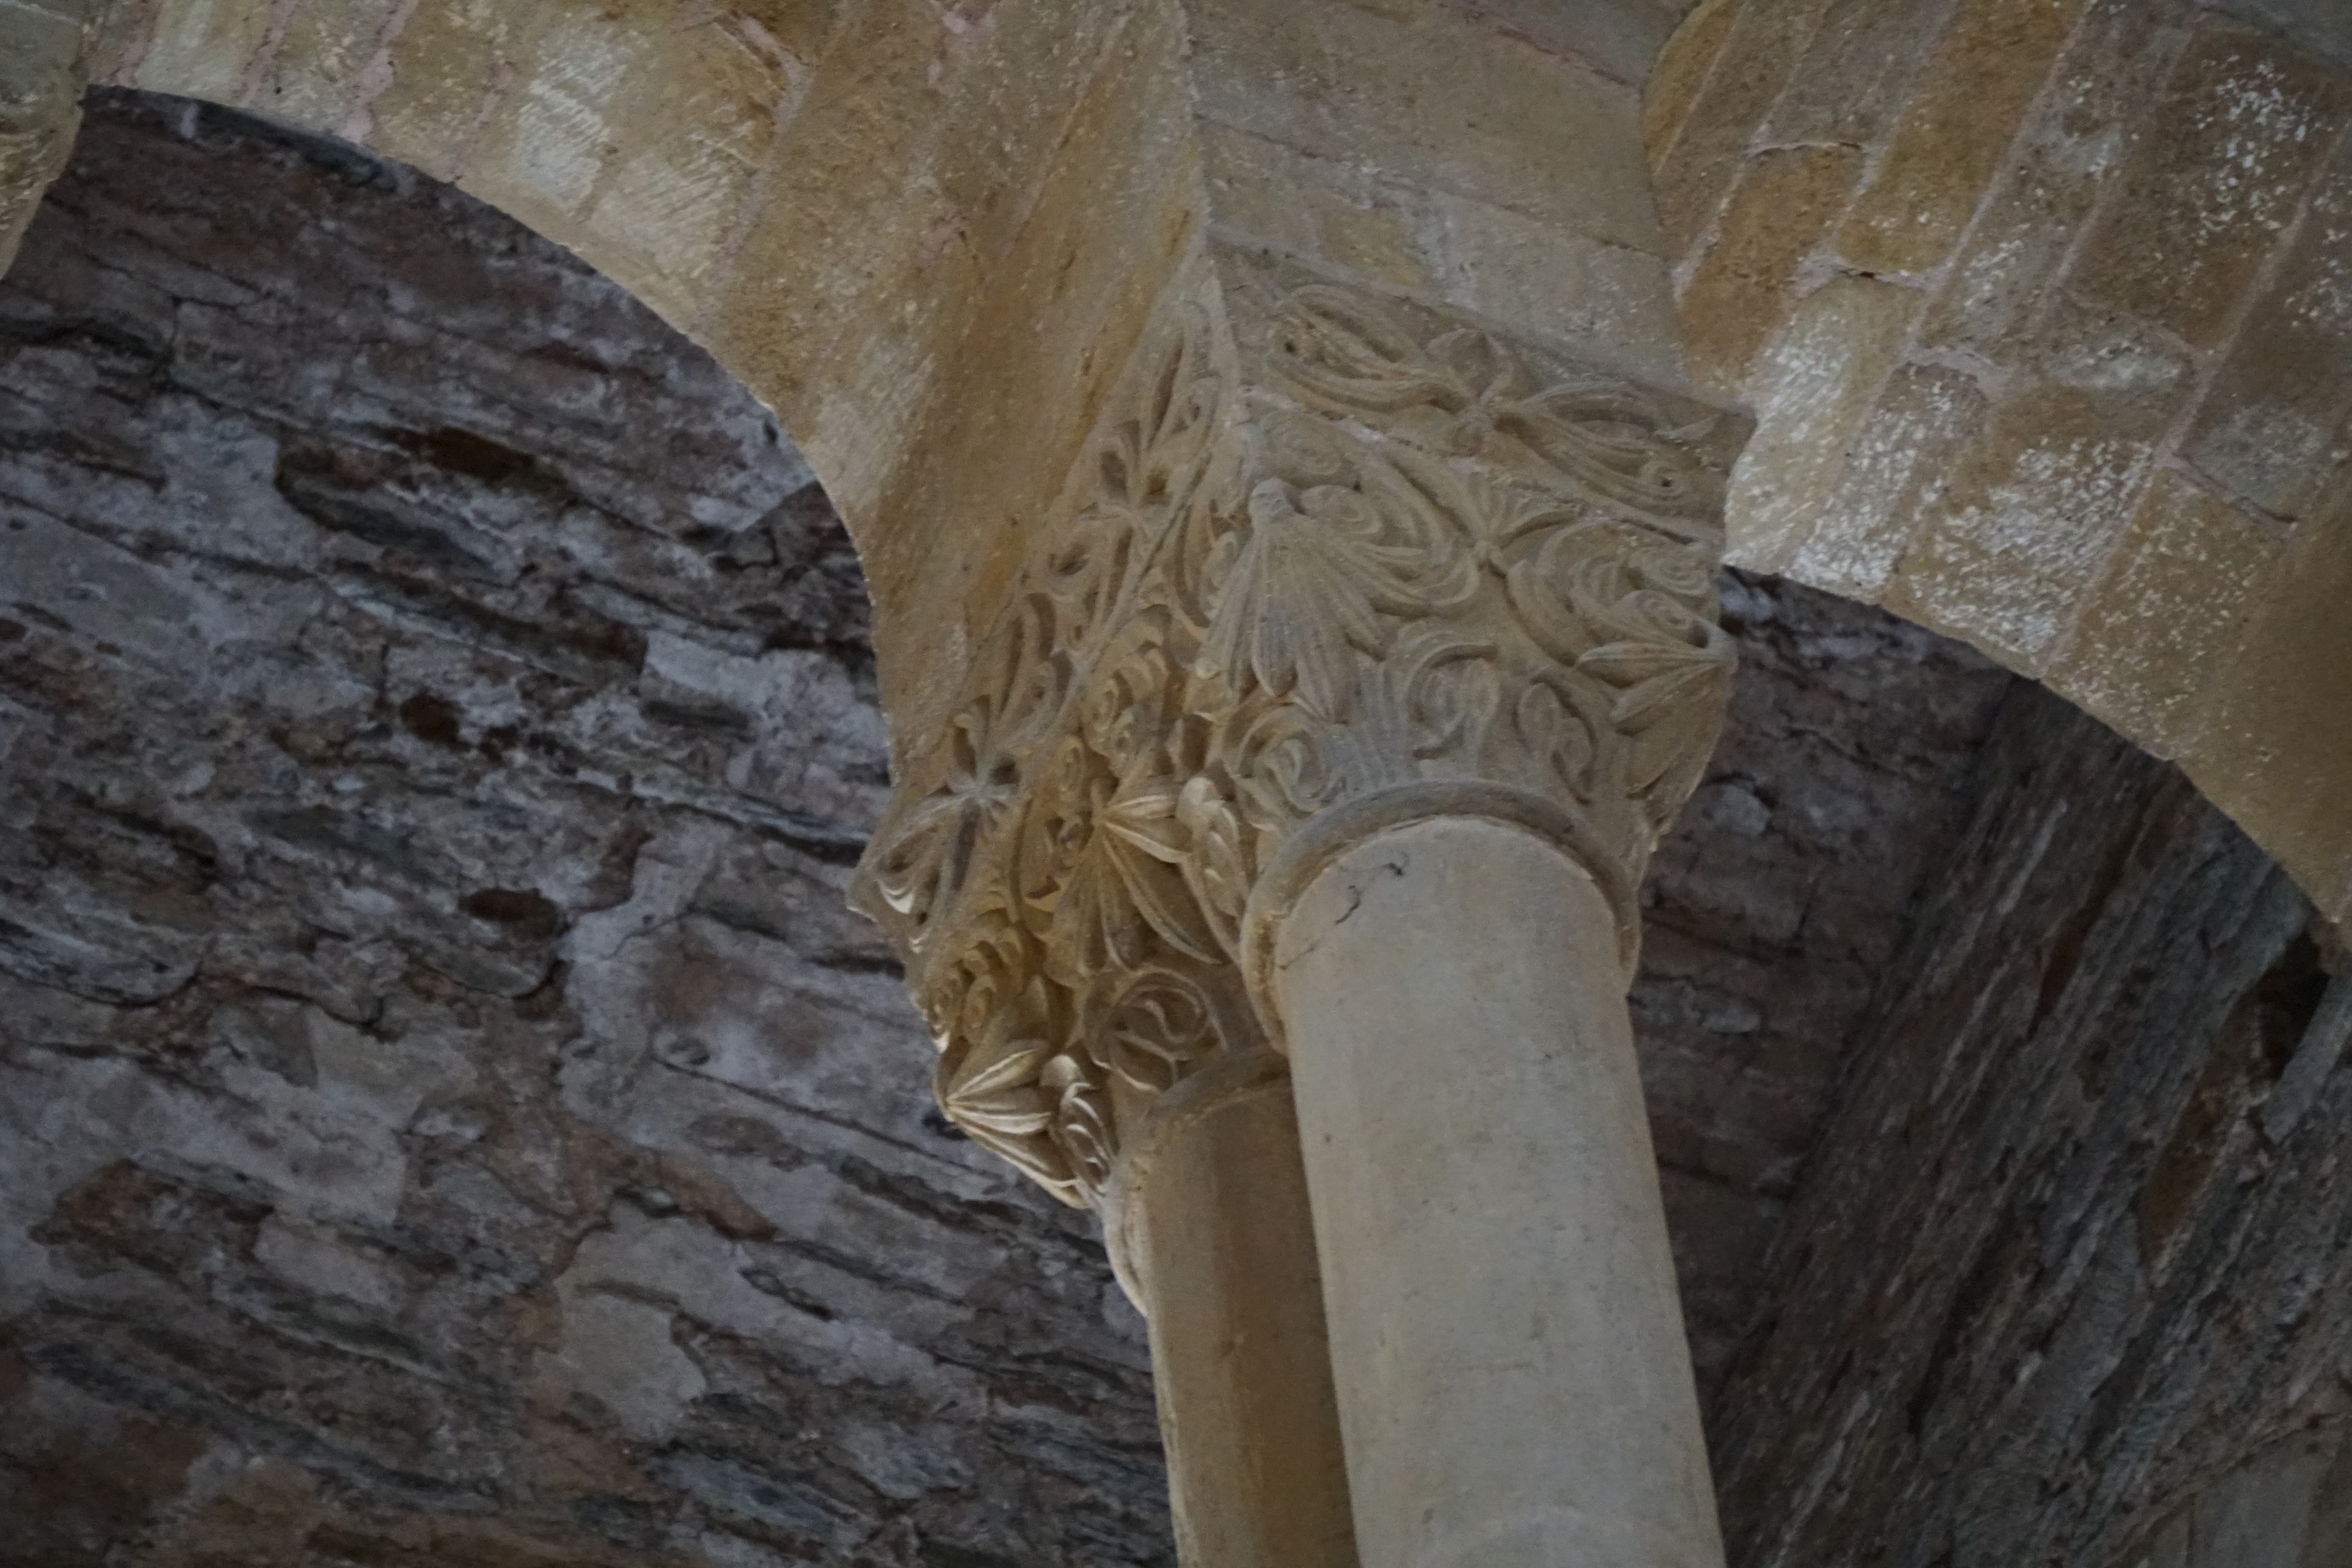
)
(2069, 1276)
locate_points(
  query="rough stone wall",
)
(2045, 308)
(446, 1113)
(1771, 911)
(2078, 1241)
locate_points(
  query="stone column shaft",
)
(1513, 1381)
(1392, 514)
(1210, 1226)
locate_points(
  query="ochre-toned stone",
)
(1340, 211)
(2005, 555)
(1619, 39)
(2067, 151)
(1812, 390)
(1943, 152)
(566, 118)
(1760, 53)
(1609, 299)
(696, 132)
(1862, 61)
(205, 48)
(800, 28)
(44, 62)
(933, 235)
(449, 67)
(846, 211)
(1682, 71)
(2276, 747)
(1008, 93)
(2218, 168)
(310, 75)
(2276, 427)
(1786, 200)
(1338, 80)
(2169, 613)
(1057, 318)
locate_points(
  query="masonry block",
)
(2169, 614)
(312, 76)
(1896, 466)
(1787, 198)
(1760, 53)
(204, 49)
(2277, 746)
(1811, 391)
(2032, 510)
(1860, 67)
(1681, 70)
(1343, 81)
(1951, 138)
(2276, 426)
(2219, 167)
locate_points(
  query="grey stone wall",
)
(446, 1113)
(2077, 1242)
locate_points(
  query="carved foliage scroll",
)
(1386, 548)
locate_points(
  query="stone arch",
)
(854, 208)
(2045, 308)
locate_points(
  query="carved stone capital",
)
(1333, 562)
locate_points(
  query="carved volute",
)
(1334, 561)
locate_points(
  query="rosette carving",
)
(1381, 553)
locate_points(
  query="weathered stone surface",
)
(2217, 170)
(2125, 223)
(2029, 512)
(1862, 62)
(2051, 1270)
(2321, 27)
(43, 59)
(1324, 75)
(450, 1120)
(1993, 294)
(450, 1114)
(1760, 52)
(2278, 735)
(1812, 389)
(1785, 202)
(2276, 427)
(2170, 615)
(1941, 153)
(1896, 466)
(1682, 71)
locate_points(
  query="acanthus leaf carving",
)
(1398, 551)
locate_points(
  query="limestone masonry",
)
(1252, 783)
